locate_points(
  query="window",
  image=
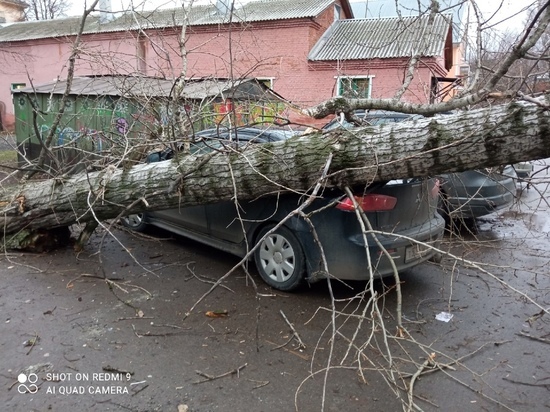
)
(355, 86)
(17, 86)
(141, 54)
(337, 11)
(464, 71)
(267, 81)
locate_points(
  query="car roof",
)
(373, 118)
(384, 113)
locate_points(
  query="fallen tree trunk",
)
(494, 136)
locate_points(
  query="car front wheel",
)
(135, 222)
(279, 259)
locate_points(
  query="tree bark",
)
(488, 137)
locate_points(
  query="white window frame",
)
(17, 86)
(337, 12)
(271, 80)
(340, 78)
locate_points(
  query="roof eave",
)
(346, 6)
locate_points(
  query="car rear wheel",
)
(136, 222)
(279, 259)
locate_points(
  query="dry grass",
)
(8, 158)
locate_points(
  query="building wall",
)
(458, 63)
(273, 50)
(256, 51)
(40, 61)
(26, 62)
(387, 77)
(109, 54)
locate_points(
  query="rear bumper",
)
(475, 193)
(352, 261)
(468, 208)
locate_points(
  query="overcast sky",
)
(509, 7)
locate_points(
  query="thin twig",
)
(261, 383)
(525, 335)
(111, 282)
(140, 389)
(480, 393)
(83, 275)
(294, 331)
(427, 362)
(149, 334)
(284, 344)
(300, 355)
(33, 342)
(203, 279)
(223, 375)
(544, 385)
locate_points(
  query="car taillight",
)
(369, 203)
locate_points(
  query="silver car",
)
(476, 193)
(290, 254)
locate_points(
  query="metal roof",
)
(255, 11)
(105, 86)
(384, 38)
(140, 86)
(374, 9)
(32, 30)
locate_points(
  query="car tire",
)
(279, 259)
(135, 222)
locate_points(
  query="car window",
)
(248, 134)
(205, 146)
(208, 144)
(375, 120)
(336, 123)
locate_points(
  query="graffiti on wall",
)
(106, 124)
(224, 113)
(86, 139)
(242, 113)
(122, 126)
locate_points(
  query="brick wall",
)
(273, 49)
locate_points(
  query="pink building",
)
(307, 51)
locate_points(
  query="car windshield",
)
(372, 118)
(213, 139)
(245, 134)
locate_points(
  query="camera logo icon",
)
(27, 383)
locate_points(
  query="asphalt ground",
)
(130, 324)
